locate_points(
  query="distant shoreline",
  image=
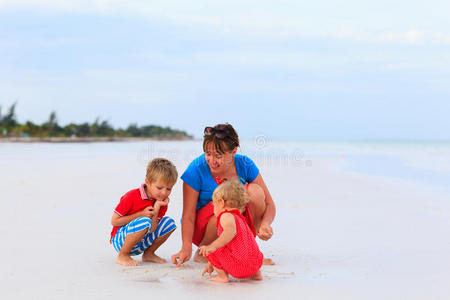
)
(87, 139)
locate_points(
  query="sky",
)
(288, 70)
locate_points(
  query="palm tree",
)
(52, 124)
(9, 120)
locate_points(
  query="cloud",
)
(413, 36)
(409, 37)
(289, 19)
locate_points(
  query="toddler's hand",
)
(265, 232)
(205, 250)
(208, 269)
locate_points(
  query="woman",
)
(219, 163)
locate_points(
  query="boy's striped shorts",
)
(166, 224)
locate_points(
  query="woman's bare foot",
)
(152, 257)
(257, 276)
(199, 258)
(268, 262)
(126, 260)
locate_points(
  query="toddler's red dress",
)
(241, 257)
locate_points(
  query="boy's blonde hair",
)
(161, 168)
(232, 193)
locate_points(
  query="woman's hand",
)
(181, 257)
(265, 232)
(190, 197)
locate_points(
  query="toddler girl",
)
(235, 251)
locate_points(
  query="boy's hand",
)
(208, 269)
(147, 212)
(205, 250)
(164, 202)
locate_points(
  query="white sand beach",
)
(340, 233)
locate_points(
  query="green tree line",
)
(10, 127)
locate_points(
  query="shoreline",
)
(88, 139)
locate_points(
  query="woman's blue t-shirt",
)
(199, 177)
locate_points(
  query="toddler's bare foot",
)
(218, 278)
(199, 258)
(126, 260)
(152, 257)
(268, 262)
(257, 276)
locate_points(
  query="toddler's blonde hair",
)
(232, 193)
(161, 168)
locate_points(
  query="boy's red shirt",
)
(133, 202)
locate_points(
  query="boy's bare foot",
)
(257, 276)
(268, 262)
(199, 258)
(152, 257)
(218, 278)
(126, 260)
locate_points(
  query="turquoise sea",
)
(421, 161)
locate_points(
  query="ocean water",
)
(425, 163)
(422, 162)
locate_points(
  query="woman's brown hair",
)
(226, 141)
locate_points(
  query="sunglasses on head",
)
(220, 133)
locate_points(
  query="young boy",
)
(139, 222)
